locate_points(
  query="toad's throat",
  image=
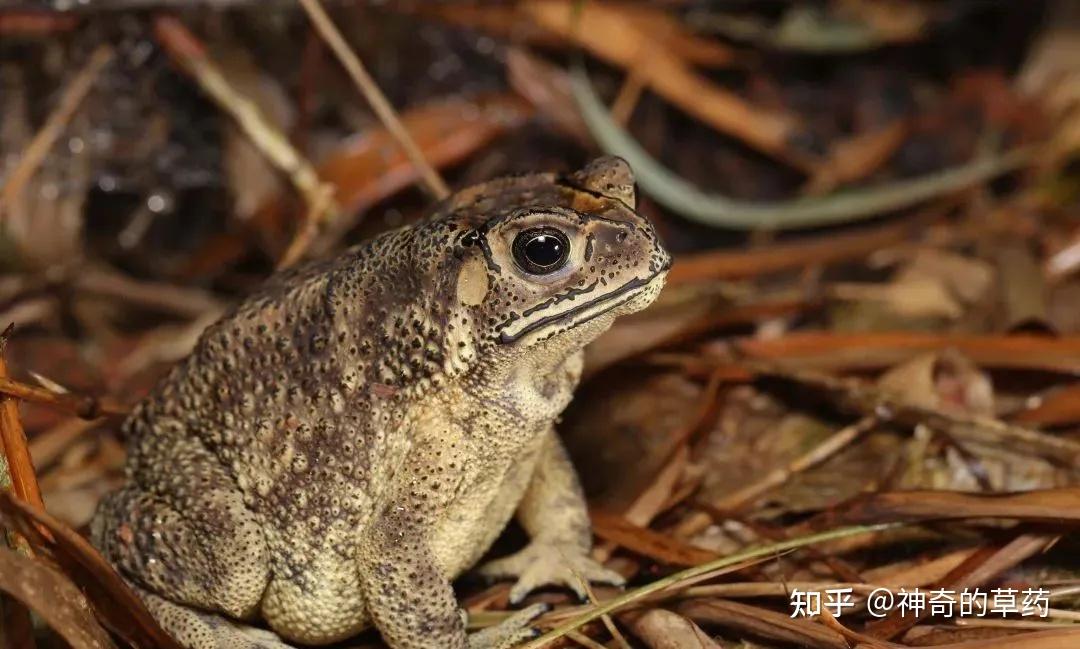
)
(588, 310)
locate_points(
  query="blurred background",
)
(874, 207)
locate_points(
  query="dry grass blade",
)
(616, 635)
(642, 593)
(584, 640)
(379, 103)
(188, 302)
(43, 141)
(306, 233)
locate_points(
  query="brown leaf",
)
(621, 427)
(967, 279)
(661, 629)
(613, 36)
(1023, 288)
(856, 158)
(511, 22)
(370, 167)
(945, 379)
(922, 297)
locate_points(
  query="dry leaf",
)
(620, 431)
(613, 36)
(662, 629)
(856, 157)
(916, 297)
(945, 379)
(967, 279)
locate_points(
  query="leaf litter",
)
(914, 375)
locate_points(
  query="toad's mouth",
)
(586, 311)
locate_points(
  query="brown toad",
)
(356, 434)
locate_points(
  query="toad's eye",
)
(541, 250)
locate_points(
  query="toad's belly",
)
(476, 519)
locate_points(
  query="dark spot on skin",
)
(470, 238)
(302, 394)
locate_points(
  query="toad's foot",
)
(511, 631)
(550, 564)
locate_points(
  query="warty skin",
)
(357, 433)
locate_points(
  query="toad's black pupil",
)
(541, 250)
(544, 250)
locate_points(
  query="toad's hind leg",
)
(201, 630)
(204, 550)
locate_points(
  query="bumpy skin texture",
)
(356, 434)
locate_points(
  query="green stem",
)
(681, 197)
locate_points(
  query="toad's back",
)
(359, 431)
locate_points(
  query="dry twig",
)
(379, 103)
(20, 480)
(84, 407)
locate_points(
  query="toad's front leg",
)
(554, 513)
(409, 595)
